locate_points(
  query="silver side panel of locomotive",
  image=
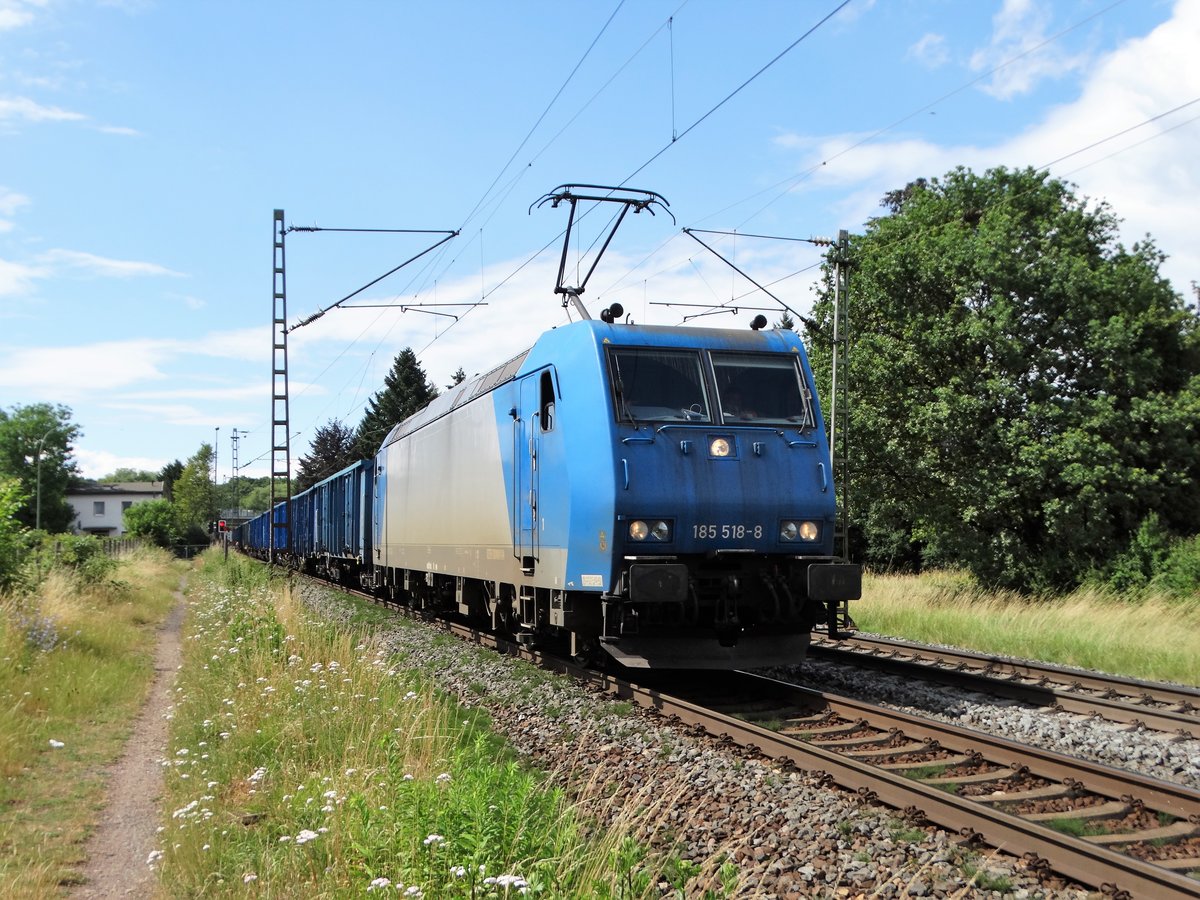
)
(446, 509)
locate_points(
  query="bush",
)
(1147, 551)
(1179, 573)
(153, 520)
(12, 542)
(81, 554)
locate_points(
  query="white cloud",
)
(18, 13)
(1018, 28)
(11, 202)
(102, 267)
(83, 370)
(930, 51)
(30, 111)
(120, 130)
(1152, 186)
(98, 463)
(17, 278)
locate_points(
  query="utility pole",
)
(234, 437)
(41, 447)
(839, 401)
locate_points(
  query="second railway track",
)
(1173, 709)
(1113, 829)
(1125, 834)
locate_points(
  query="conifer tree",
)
(405, 391)
(332, 449)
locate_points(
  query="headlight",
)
(719, 447)
(638, 530)
(661, 531)
(802, 531)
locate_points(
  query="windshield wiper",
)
(619, 387)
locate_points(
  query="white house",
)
(100, 508)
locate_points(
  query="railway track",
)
(1118, 831)
(1168, 708)
(1125, 834)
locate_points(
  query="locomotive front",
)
(723, 550)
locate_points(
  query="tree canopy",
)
(193, 497)
(38, 439)
(126, 475)
(1025, 390)
(405, 391)
(332, 449)
(154, 520)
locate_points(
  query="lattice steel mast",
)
(839, 401)
(281, 443)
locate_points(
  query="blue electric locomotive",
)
(661, 496)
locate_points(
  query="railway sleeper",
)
(1049, 792)
(1176, 831)
(1114, 809)
(957, 759)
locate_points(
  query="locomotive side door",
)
(525, 475)
(378, 513)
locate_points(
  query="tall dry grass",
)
(1153, 638)
(306, 761)
(75, 663)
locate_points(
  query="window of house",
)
(97, 507)
(125, 504)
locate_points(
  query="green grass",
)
(1154, 638)
(1076, 827)
(76, 661)
(308, 762)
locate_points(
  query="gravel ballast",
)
(1163, 756)
(791, 835)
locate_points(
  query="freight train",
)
(659, 496)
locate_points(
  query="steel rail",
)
(1075, 858)
(1054, 686)
(1043, 848)
(1165, 796)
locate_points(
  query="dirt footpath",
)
(126, 833)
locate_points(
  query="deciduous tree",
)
(1026, 390)
(195, 504)
(35, 438)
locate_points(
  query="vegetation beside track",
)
(76, 661)
(1153, 637)
(306, 761)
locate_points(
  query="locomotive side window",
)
(658, 385)
(546, 402)
(762, 389)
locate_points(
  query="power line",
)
(736, 90)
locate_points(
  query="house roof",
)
(124, 487)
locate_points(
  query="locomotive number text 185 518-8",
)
(726, 532)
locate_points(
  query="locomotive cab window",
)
(546, 402)
(658, 385)
(762, 389)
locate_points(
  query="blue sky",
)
(144, 146)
